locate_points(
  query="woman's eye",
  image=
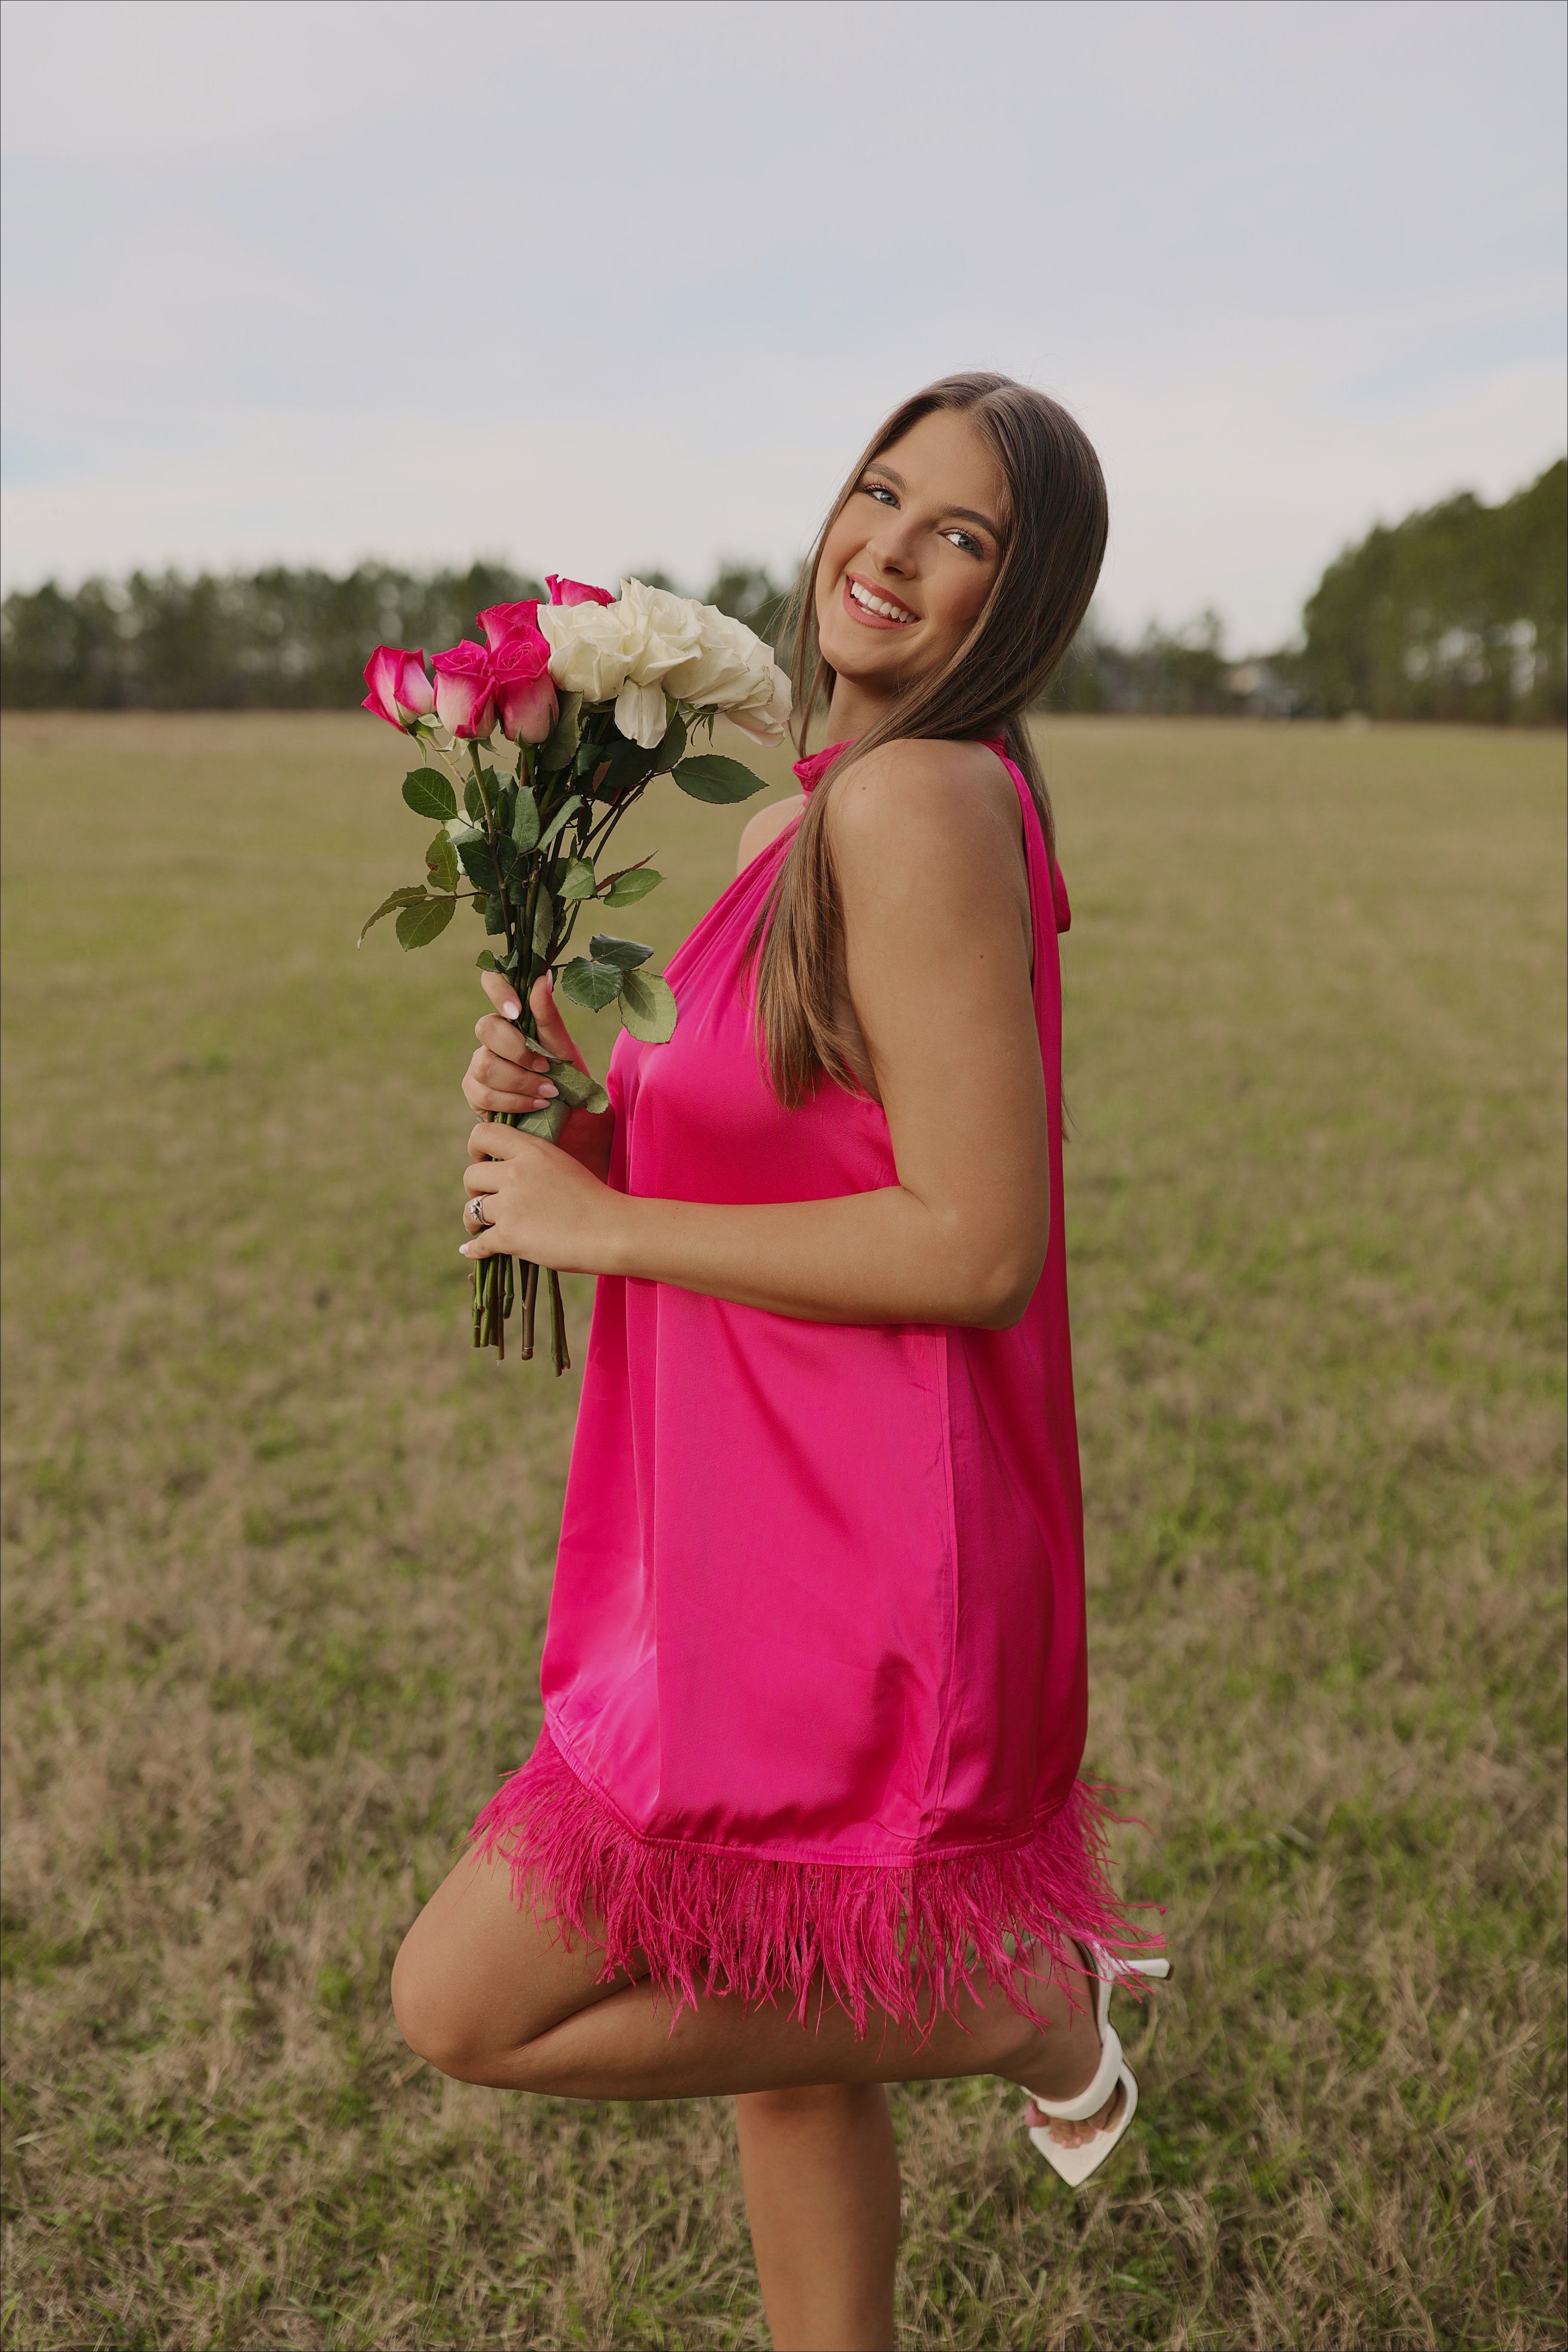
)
(879, 490)
(966, 540)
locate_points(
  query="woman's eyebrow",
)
(968, 513)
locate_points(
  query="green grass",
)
(281, 1548)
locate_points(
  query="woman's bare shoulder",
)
(947, 796)
(765, 828)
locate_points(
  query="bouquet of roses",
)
(536, 744)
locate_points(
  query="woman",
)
(805, 1817)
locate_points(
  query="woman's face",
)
(910, 561)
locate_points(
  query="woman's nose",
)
(892, 547)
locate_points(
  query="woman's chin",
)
(877, 662)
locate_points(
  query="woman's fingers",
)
(493, 1102)
(552, 1030)
(509, 1044)
(501, 993)
(489, 1142)
(504, 1085)
(506, 1074)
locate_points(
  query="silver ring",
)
(476, 1208)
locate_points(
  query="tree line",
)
(1460, 612)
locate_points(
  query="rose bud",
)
(575, 591)
(399, 690)
(501, 623)
(465, 690)
(524, 690)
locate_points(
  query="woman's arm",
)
(937, 930)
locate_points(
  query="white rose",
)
(641, 712)
(669, 631)
(733, 671)
(720, 665)
(593, 647)
(764, 714)
(650, 645)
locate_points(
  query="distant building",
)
(1257, 688)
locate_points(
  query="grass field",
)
(280, 1551)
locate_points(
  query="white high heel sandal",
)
(1076, 2164)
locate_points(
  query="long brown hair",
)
(1054, 541)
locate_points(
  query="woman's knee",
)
(444, 2018)
(423, 2019)
(435, 2020)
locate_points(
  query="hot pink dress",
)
(814, 1678)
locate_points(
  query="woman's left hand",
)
(539, 1204)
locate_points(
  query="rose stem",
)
(558, 1349)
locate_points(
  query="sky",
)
(601, 287)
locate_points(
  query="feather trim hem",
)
(900, 1941)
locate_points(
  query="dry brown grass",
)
(280, 1551)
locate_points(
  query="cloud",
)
(612, 282)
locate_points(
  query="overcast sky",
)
(601, 286)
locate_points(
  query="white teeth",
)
(877, 605)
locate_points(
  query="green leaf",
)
(428, 792)
(485, 961)
(544, 924)
(495, 916)
(630, 766)
(647, 1006)
(478, 862)
(673, 745)
(547, 1122)
(408, 897)
(474, 800)
(525, 819)
(459, 830)
(580, 880)
(563, 816)
(560, 748)
(626, 888)
(605, 948)
(592, 985)
(577, 1088)
(442, 860)
(710, 777)
(417, 926)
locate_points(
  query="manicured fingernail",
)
(511, 1008)
(548, 1089)
(463, 1250)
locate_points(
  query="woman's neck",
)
(852, 711)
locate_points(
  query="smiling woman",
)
(805, 1816)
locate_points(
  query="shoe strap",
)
(1107, 2075)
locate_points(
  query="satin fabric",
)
(820, 1593)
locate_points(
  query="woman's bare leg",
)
(821, 2175)
(487, 1994)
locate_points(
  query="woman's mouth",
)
(873, 608)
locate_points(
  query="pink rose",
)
(523, 688)
(399, 690)
(501, 623)
(465, 690)
(575, 591)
